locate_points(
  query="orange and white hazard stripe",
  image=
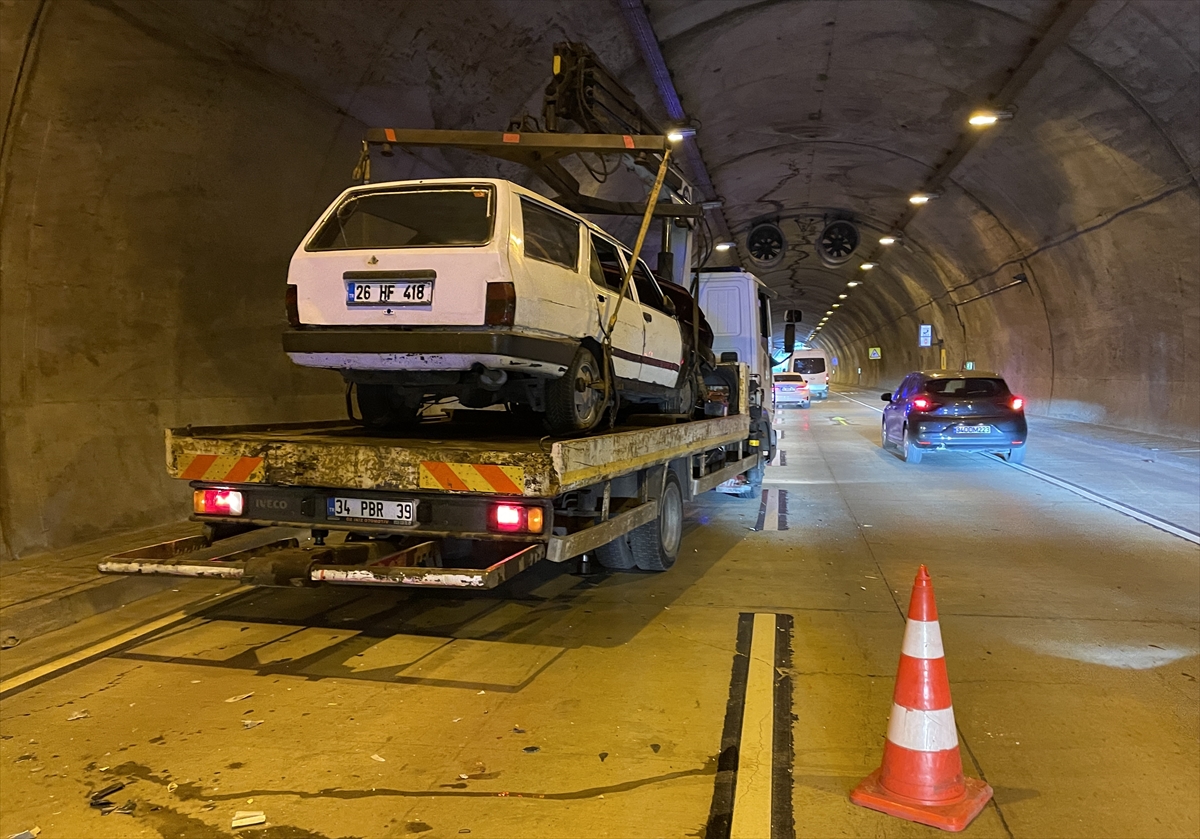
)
(472, 477)
(230, 469)
(921, 758)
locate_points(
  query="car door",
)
(607, 272)
(893, 412)
(662, 352)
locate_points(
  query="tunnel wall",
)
(1091, 193)
(155, 186)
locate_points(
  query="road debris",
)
(31, 833)
(518, 730)
(98, 797)
(603, 756)
(252, 723)
(171, 787)
(378, 758)
(7, 644)
(240, 697)
(531, 749)
(246, 818)
(125, 809)
(78, 715)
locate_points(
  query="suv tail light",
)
(516, 518)
(1018, 404)
(925, 405)
(293, 306)
(501, 306)
(218, 502)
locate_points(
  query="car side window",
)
(550, 236)
(606, 268)
(906, 388)
(647, 287)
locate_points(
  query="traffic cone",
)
(921, 778)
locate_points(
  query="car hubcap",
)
(587, 397)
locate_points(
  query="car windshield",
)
(809, 365)
(788, 377)
(966, 387)
(409, 218)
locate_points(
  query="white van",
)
(814, 366)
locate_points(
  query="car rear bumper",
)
(420, 349)
(1006, 434)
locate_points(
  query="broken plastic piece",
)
(125, 809)
(246, 818)
(78, 715)
(27, 834)
(241, 697)
(107, 791)
(252, 723)
(531, 749)
(378, 758)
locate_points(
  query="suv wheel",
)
(575, 403)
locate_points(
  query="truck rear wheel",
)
(574, 403)
(616, 555)
(655, 545)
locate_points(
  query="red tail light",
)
(517, 518)
(218, 502)
(1018, 403)
(501, 306)
(293, 306)
(921, 403)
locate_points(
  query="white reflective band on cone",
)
(922, 731)
(922, 639)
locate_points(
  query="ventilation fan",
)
(837, 241)
(766, 244)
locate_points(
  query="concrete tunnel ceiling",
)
(196, 140)
(809, 111)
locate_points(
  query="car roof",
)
(959, 374)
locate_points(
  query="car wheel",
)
(574, 403)
(912, 454)
(655, 545)
(805, 404)
(382, 407)
(883, 440)
(684, 400)
(1016, 455)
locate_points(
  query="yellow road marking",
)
(752, 795)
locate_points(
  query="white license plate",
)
(370, 509)
(973, 429)
(394, 293)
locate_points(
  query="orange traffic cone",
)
(921, 778)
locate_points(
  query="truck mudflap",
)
(275, 556)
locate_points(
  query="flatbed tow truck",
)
(466, 503)
(471, 502)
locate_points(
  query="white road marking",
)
(752, 795)
(864, 404)
(99, 649)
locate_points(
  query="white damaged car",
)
(484, 291)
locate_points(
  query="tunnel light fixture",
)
(867, 266)
(982, 119)
(836, 305)
(890, 239)
(830, 312)
(923, 197)
(724, 246)
(677, 134)
(843, 296)
(853, 283)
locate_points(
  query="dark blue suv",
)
(968, 410)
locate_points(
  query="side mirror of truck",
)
(792, 316)
(886, 397)
(789, 338)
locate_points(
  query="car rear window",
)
(409, 218)
(788, 377)
(550, 236)
(809, 366)
(967, 387)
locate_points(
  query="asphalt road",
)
(743, 693)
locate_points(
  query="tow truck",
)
(470, 499)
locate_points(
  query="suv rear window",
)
(411, 218)
(967, 387)
(808, 366)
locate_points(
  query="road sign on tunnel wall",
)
(874, 353)
(926, 339)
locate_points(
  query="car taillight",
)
(1018, 403)
(826, 380)
(517, 518)
(293, 306)
(218, 502)
(921, 403)
(501, 306)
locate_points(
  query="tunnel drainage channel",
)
(1125, 509)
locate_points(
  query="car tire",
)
(684, 399)
(883, 440)
(573, 404)
(912, 454)
(381, 407)
(1016, 455)
(655, 545)
(805, 404)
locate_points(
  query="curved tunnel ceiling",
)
(196, 140)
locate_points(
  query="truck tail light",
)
(218, 502)
(293, 306)
(501, 306)
(517, 518)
